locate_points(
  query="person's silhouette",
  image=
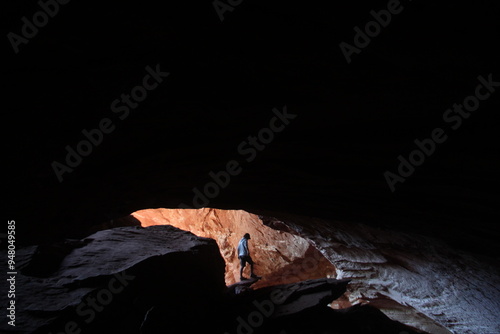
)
(244, 256)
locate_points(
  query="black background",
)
(353, 121)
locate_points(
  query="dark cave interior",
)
(198, 138)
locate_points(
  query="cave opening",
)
(280, 256)
(286, 253)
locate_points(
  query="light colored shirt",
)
(243, 247)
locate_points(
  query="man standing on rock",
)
(244, 256)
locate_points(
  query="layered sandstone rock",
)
(413, 279)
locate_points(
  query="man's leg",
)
(242, 266)
(241, 271)
(251, 268)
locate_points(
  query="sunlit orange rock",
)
(279, 257)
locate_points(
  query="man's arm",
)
(245, 244)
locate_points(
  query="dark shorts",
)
(245, 259)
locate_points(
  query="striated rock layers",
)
(417, 280)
